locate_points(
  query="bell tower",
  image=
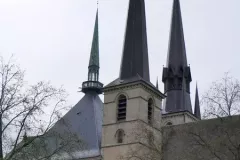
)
(131, 102)
(177, 75)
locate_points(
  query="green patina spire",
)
(94, 57)
(93, 84)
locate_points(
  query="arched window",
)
(120, 134)
(150, 110)
(93, 76)
(122, 108)
(169, 124)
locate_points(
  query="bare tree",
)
(220, 141)
(26, 112)
(223, 98)
(151, 143)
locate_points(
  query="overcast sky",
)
(51, 39)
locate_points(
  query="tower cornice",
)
(135, 84)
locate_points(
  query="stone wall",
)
(215, 139)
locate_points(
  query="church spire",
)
(135, 52)
(177, 74)
(177, 52)
(93, 83)
(197, 112)
(157, 83)
(94, 56)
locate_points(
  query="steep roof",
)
(84, 120)
(197, 112)
(177, 74)
(135, 52)
(94, 56)
(176, 52)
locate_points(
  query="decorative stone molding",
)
(133, 85)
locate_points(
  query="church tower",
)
(177, 75)
(131, 100)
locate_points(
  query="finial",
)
(97, 3)
(157, 83)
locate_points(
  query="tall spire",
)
(94, 56)
(157, 83)
(93, 68)
(177, 52)
(135, 52)
(177, 74)
(197, 112)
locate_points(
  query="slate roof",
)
(135, 52)
(176, 52)
(197, 112)
(85, 121)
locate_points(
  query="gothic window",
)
(89, 76)
(150, 110)
(120, 134)
(122, 108)
(169, 124)
(93, 76)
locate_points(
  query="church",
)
(131, 99)
(137, 121)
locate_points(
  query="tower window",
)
(122, 106)
(120, 134)
(150, 110)
(169, 123)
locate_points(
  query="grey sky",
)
(51, 39)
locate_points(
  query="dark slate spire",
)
(177, 52)
(157, 83)
(93, 68)
(177, 74)
(197, 112)
(135, 52)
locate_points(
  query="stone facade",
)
(215, 139)
(178, 118)
(136, 116)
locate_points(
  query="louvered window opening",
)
(122, 106)
(150, 111)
